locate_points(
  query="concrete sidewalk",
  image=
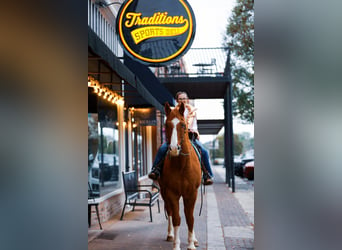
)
(226, 222)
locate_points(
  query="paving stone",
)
(226, 222)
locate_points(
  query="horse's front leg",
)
(192, 240)
(176, 241)
(170, 231)
(175, 222)
(189, 206)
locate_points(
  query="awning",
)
(197, 87)
(109, 70)
(211, 127)
(150, 82)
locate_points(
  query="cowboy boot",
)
(156, 170)
(206, 177)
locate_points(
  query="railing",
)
(102, 22)
(197, 62)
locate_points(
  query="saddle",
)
(193, 137)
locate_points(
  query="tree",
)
(240, 40)
(238, 146)
(246, 140)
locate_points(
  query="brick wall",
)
(108, 208)
(112, 206)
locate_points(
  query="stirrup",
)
(207, 181)
(153, 176)
(155, 173)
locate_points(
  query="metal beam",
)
(229, 137)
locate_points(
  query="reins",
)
(200, 160)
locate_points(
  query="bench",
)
(139, 195)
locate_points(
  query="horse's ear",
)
(182, 109)
(167, 108)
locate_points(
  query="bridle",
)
(179, 146)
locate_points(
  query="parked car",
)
(248, 170)
(240, 162)
(219, 161)
(100, 172)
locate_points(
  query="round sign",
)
(156, 32)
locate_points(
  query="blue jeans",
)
(161, 153)
(205, 156)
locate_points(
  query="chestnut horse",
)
(181, 176)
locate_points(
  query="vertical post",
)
(102, 161)
(213, 154)
(129, 147)
(127, 167)
(226, 141)
(121, 141)
(230, 135)
(229, 144)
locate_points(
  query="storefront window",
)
(103, 157)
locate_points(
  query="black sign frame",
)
(156, 32)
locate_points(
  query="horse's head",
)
(175, 128)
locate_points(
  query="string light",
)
(115, 99)
(108, 94)
(89, 81)
(120, 101)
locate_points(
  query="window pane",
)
(103, 158)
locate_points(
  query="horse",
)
(181, 176)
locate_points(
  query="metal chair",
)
(92, 202)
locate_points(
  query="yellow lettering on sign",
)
(131, 19)
(144, 33)
(157, 19)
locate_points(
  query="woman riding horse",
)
(181, 176)
(191, 118)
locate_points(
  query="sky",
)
(211, 21)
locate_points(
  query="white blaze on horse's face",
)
(174, 147)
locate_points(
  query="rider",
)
(191, 118)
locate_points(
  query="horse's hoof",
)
(196, 243)
(169, 238)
